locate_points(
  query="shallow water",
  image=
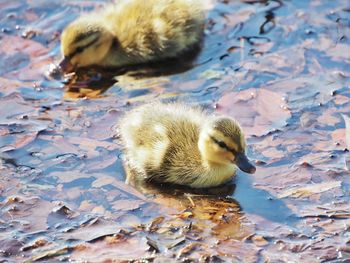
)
(280, 67)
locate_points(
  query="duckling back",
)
(159, 140)
(153, 30)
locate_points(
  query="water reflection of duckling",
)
(174, 143)
(132, 32)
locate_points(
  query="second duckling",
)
(132, 32)
(175, 143)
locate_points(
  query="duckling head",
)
(84, 42)
(222, 142)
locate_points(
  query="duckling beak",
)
(66, 66)
(243, 164)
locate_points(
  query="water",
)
(280, 67)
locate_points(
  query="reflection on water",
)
(260, 202)
(224, 214)
(151, 189)
(236, 198)
(92, 82)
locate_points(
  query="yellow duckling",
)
(132, 32)
(175, 143)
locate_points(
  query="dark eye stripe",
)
(81, 48)
(223, 145)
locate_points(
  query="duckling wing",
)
(161, 142)
(155, 29)
(145, 141)
(182, 161)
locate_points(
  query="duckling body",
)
(174, 143)
(133, 32)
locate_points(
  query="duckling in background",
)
(133, 32)
(175, 143)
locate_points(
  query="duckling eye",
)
(222, 144)
(79, 50)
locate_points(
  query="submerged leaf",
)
(259, 111)
(302, 192)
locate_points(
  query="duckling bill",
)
(175, 143)
(132, 32)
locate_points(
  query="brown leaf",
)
(132, 248)
(337, 52)
(102, 128)
(302, 192)
(338, 136)
(91, 144)
(12, 106)
(154, 225)
(92, 230)
(281, 177)
(103, 180)
(328, 118)
(280, 63)
(260, 241)
(127, 205)
(59, 144)
(7, 86)
(10, 247)
(98, 164)
(35, 244)
(242, 252)
(32, 209)
(50, 253)
(11, 45)
(259, 111)
(25, 140)
(30, 53)
(189, 248)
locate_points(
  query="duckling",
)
(133, 32)
(178, 144)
